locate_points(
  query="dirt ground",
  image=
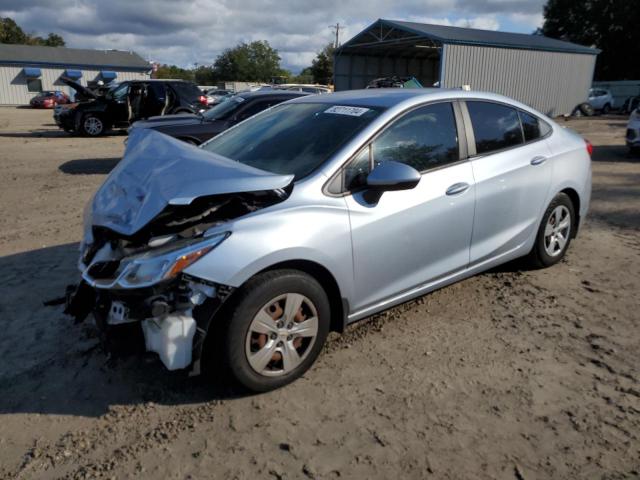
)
(509, 375)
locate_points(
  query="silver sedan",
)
(241, 255)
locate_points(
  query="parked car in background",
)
(630, 104)
(49, 99)
(128, 102)
(197, 129)
(601, 100)
(216, 95)
(241, 255)
(633, 131)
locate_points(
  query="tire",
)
(550, 247)
(586, 109)
(606, 109)
(256, 304)
(92, 125)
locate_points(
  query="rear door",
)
(512, 171)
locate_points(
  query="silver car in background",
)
(241, 255)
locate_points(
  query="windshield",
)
(292, 138)
(224, 108)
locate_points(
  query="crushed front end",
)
(163, 208)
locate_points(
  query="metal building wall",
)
(551, 82)
(13, 83)
(356, 71)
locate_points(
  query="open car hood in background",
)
(78, 88)
(158, 170)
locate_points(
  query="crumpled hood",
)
(158, 170)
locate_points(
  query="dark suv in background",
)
(197, 129)
(126, 103)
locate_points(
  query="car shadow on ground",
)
(614, 153)
(53, 365)
(89, 166)
(36, 134)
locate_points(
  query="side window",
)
(532, 127)
(494, 126)
(252, 109)
(424, 138)
(120, 93)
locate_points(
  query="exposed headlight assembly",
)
(157, 265)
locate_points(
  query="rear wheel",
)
(276, 331)
(555, 232)
(606, 109)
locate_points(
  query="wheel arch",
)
(575, 200)
(338, 304)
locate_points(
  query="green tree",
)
(613, 26)
(54, 40)
(322, 66)
(174, 72)
(206, 75)
(10, 32)
(252, 62)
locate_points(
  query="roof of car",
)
(390, 97)
(269, 93)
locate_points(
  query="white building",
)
(26, 70)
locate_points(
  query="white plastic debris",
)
(171, 337)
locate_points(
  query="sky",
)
(189, 32)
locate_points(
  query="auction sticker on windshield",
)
(344, 110)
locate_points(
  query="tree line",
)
(11, 32)
(253, 62)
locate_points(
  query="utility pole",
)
(336, 28)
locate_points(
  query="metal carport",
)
(551, 75)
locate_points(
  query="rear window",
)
(187, 89)
(495, 126)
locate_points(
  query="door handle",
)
(539, 160)
(457, 188)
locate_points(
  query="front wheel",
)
(555, 232)
(92, 125)
(276, 331)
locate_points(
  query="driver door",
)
(411, 237)
(118, 106)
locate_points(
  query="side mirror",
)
(390, 176)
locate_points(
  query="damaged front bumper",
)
(173, 310)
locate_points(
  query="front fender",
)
(318, 234)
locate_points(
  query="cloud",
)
(184, 32)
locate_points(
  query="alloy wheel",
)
(557, 231)
(93, 126)
(281, 335)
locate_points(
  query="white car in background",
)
(633, 131)
(601, 100)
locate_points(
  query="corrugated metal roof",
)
(474, 36)
(72, 57)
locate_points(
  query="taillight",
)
(202, 99)
(589, 147)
